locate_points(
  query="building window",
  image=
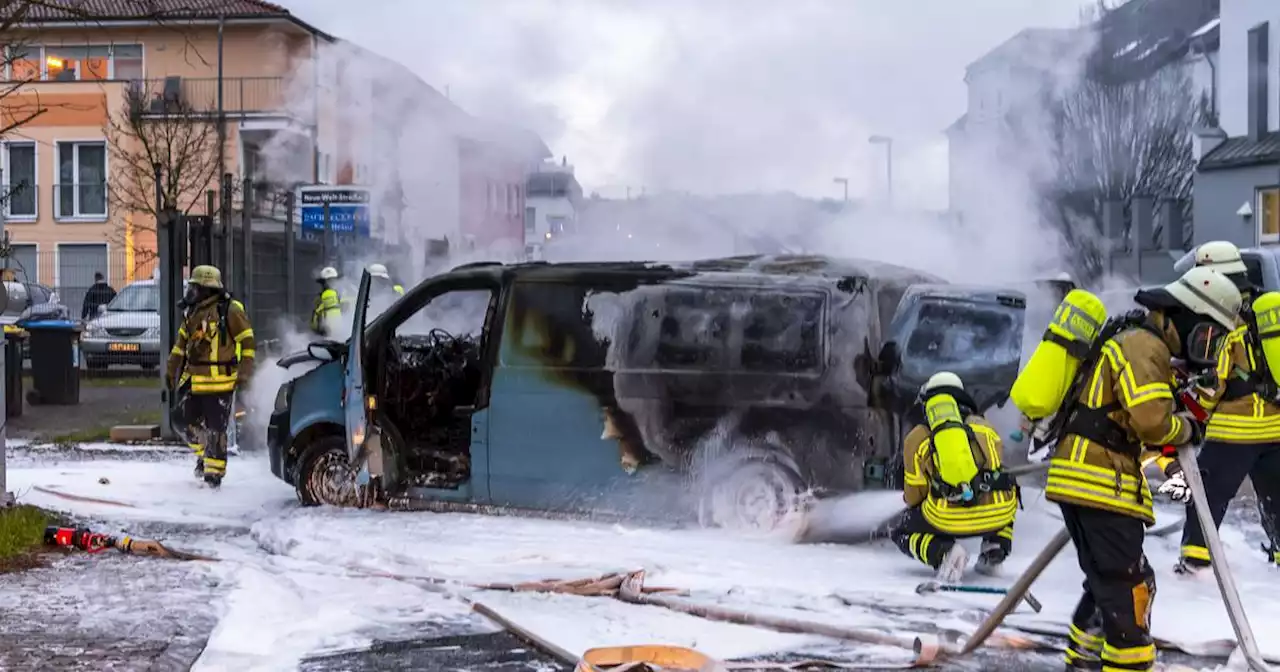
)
(1258, 73)
(126, 61)
(81, 191)
(530, 225)
(1269, 215)
(19, 188)
(76, 63)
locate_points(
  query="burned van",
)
(727, 389)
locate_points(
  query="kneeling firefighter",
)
(215, 353)
(1119, 400)
(954, 483)
(1243, 433)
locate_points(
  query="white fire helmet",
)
(328, 273)
(379, 271)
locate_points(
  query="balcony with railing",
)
(86, 201)
(199, 95)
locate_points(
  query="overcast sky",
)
(707, 95)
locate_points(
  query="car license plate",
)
(123, 347)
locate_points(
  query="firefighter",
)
(1243, 434)
(1095, 473)
(328, 305)
(381, 278)
(953, 483)
(215, 353)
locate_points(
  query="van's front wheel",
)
(325, 475)
(754, 496)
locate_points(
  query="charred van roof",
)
(814, 266)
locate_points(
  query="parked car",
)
(615, 387)
(27, 302)
(127, 329)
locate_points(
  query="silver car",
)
(127, 329)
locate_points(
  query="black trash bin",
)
(55, 362)
(14, 338)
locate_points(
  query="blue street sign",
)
(349, 210)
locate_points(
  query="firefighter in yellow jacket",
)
(1243, 433)
(1095, 473)
(215, 351)
(953, 484)
(328, 307)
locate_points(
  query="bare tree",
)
(170, 133)
(1118, 141)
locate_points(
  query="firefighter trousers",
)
(207, 417)
(1223, 467)
(1111, 626)
(918, 538)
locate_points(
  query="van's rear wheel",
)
(325, 475)
(754, 496)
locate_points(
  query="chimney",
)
(1207, 139)
(1259, 71)
(1143, 208)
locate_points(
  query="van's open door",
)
(354, 399)
(975, 333)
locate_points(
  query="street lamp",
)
(844, 181)
(888, 161)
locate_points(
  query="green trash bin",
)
(55, 362)
(14, 339)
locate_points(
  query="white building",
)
(1001, 149)
(552, 198)
(1237, 184)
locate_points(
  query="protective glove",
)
(1176, 488)
(1197, 428)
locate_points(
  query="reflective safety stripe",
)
(214, 466)
(176, 351)
(971, 520)
(1127, 657)
(1007, 532)
(1086, 641)
(249, 354)
(919, 544)
(196, 448)
(1095, 487)
(1196, 553)
(247, 333)
(1133, 393)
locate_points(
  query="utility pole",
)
(6, 497)
(888, 163)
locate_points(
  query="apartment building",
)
(79, 70)
(298, 106)
(1237, 183)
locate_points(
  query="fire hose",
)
(95, 542)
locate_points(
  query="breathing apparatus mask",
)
(1199, 337)
(197, 293)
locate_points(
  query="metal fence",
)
(268, 262)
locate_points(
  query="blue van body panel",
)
(317, 398)
(547, 450)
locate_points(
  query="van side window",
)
(460, 313)
(946, 334)
(552, 324)
(1253, 269)
(782, 333)
(692, 332)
